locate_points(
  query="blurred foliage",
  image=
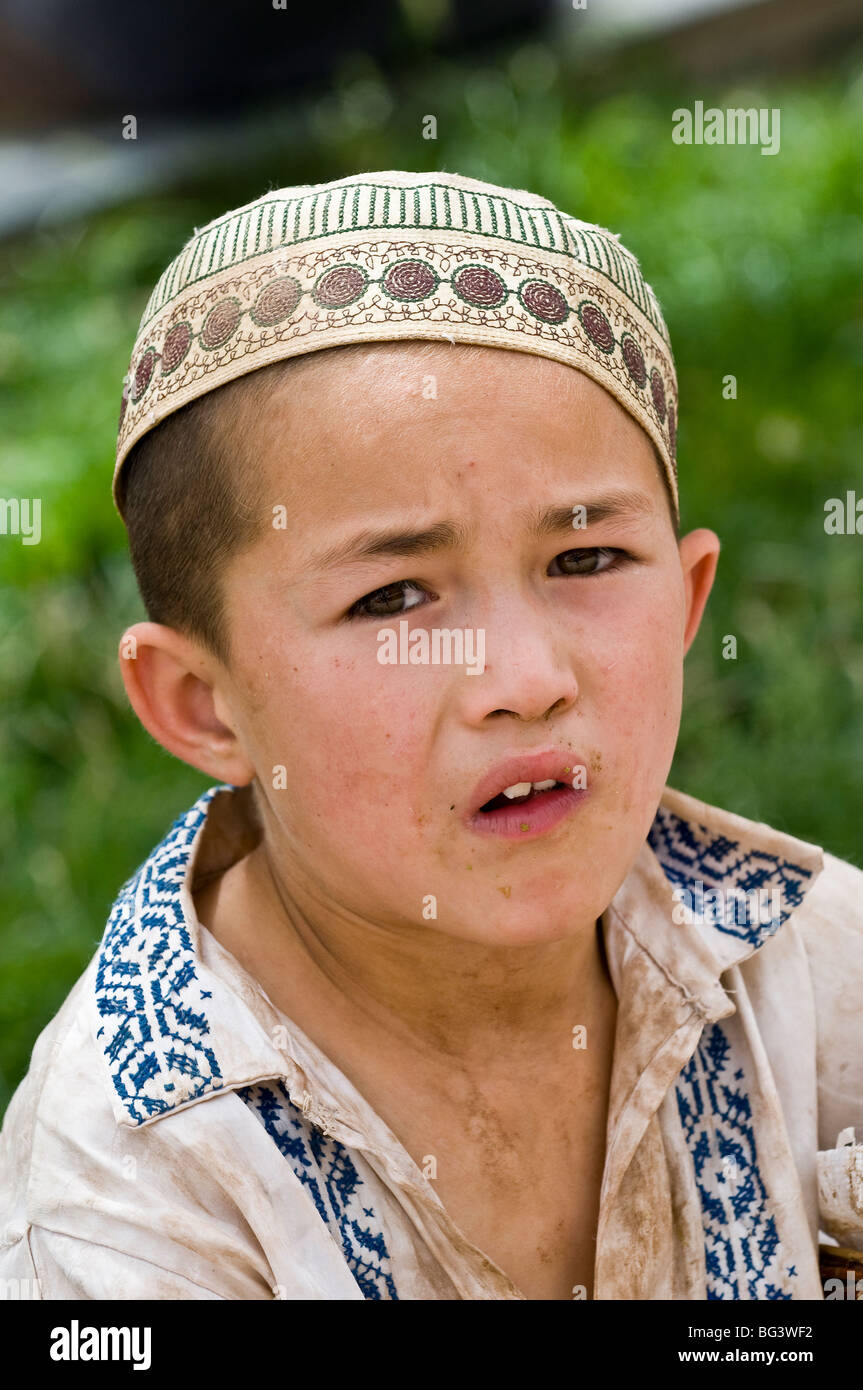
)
(757, 262)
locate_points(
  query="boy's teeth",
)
(524, 788)
(517, 789)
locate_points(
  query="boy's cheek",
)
(640, 716)
(345, 751)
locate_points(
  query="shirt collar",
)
(687, 911)
(709, 888)
(173, 1032)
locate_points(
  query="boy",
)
(440, 993)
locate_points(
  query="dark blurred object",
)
(767, 36)
(93, 58)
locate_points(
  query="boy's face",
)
(584, 628)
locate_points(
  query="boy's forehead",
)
(398, 257)
(345, 410)
(355, 452)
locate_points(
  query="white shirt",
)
(177, 1136)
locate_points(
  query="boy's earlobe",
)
(699, 556)
(170, 683)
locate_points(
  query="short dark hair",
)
(191, 499)
(188, 499)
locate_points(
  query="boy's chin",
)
(511, 923)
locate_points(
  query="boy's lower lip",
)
(528, 819)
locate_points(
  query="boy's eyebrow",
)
(611, 506)
(444, 535)
(452, 535)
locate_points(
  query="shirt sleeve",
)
(66, 1267)
(833, 937)
(45, 1264)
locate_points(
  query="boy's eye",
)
(395, 599)
(392, 599)
(592, 561)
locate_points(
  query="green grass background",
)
(757, 262)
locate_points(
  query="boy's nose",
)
(529, 675)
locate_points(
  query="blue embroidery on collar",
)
(699, 861)
(156, 1040)
(743, 1256)
(326, 1170)
(742, 1252)
(155, 1031)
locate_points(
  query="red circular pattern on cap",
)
(657, 390)
(409, 280)
(143, 372)
(276, 301)
(221, 323)
(177, 342)
(634, 360)
(340, 286)
(480, 286)
(544, 301)
(596, 326)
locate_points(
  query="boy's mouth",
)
(527, 795)
(520, 792)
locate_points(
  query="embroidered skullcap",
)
(390, 256)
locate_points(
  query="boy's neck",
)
(437, 996)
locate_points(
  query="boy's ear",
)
(699, 555)
(174, 688)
